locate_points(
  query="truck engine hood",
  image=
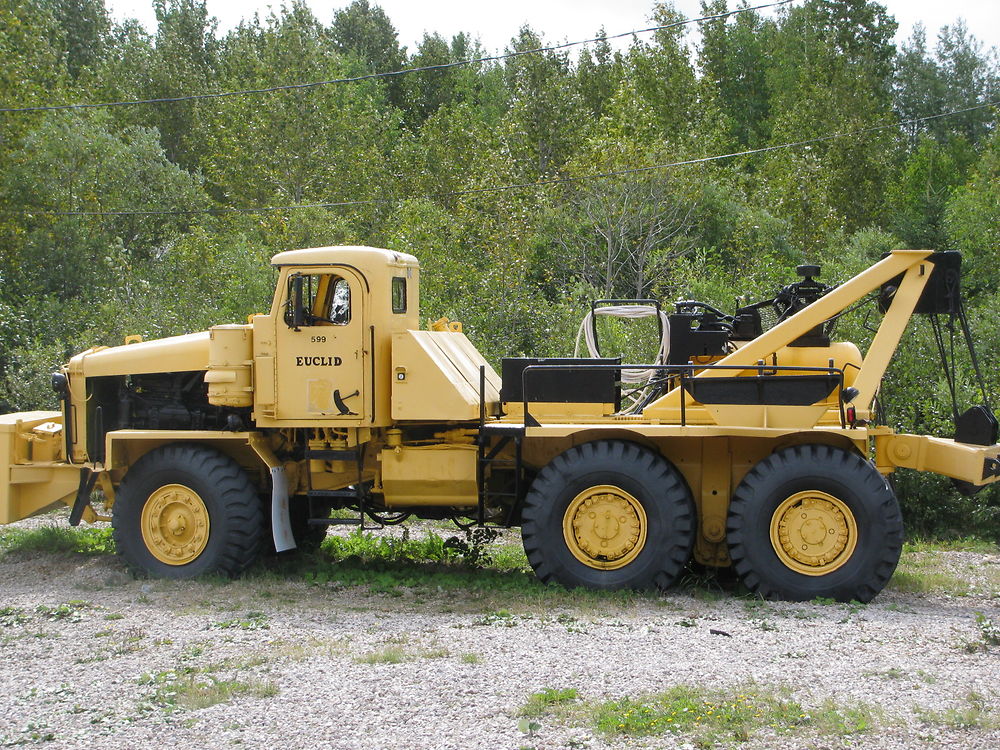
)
(174, 354)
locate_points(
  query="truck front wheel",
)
(187, 510)
(608, 515)
(815, 521)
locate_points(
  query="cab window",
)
(399, 294)
(326, 299)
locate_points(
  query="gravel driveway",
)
(93, 658)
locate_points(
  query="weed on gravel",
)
(542, 702)
(173, 690)
(249, 621)
(988, 635)
(973, 714)
(708, 718)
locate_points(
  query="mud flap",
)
(281, 522)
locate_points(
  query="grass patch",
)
(470, 658)
(249, 621)
(540, 703)
(65, 539)
(424, 566)
(710, 718)
(927, 582)
(975, 714)
(173, 690)
(312, 648)
(963, 544)
(389, 655)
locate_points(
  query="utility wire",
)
(506, 188)
(388, 74)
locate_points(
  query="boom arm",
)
(908, 262)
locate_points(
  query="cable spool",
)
(587, 331)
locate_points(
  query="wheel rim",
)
(605, 527)
(175, 524)
(813, 532)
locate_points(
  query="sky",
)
(560, 20)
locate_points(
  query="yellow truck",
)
(753, 443)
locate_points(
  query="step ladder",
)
(356, 456)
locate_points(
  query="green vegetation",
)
(929, 568)
(710, 717)
(173, 690)
(928, 583)
(388, 655)
(249, 621)
(87, 541)
(416, 151)
(543, 701)
(975, 713)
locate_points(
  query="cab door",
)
(319, 368)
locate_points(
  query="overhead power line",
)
(506, 188)
(388, 74)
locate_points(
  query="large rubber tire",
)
(815, 521)
(654, 504)
(187, 510)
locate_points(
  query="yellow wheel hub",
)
(175, 524)
(605, 527)
(813, 533)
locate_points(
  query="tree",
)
(84, 27)
(33, 71)
(663, 74)
(958, 76)
(598, 75)
(970, 221)
(830, 75)
(733, 59)
(317, 144)
(969, 80)
(364, 32)
(918, 197)
(76, 165)
(184, 62)
(547, 118)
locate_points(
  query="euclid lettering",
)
(318, 361)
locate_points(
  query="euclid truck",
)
(753, 442)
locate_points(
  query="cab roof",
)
(354, 255)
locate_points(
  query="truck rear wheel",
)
(186, 510)
(815, 521)
(608, 515)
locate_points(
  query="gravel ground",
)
(93, 658)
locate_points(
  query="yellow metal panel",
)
(791, 417)
(435, 376)
(230, 360)
(175, 354)
(355, 255)
(889, 333)
(430, 475)
(30, 481)
(124, 447)
(471, 359)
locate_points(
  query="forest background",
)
(414, 162)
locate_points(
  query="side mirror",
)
(295, 314)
